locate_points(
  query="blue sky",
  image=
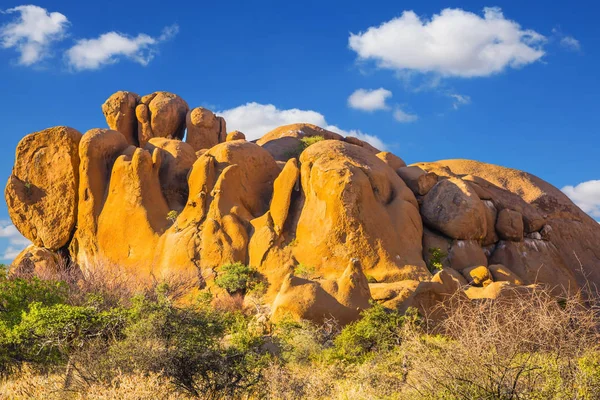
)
(507, 82)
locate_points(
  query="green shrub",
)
(47, 334)
(310, 140)
(186, 344)
(588, 379)
(298, 342)
(377, 330)
(305, 142)
(17, 294)
(237, 278)
(172, 215)
(304, 271)
(436, 259)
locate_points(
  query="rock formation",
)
(147, 198)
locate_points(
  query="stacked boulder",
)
(166, 192)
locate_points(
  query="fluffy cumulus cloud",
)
(256, 119)
(110, 47)
(403, 116)
(13, 240)
(369, 100)
(587, 196)
(32, 32)
(452, 43)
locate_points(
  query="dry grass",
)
(31, 385)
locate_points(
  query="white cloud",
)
(16, 241)
(256, 119)
(569, 42)
(403, 116)
(110, 47)
(586, 195)
(369, 100)
(452, 43)
(459, 100)
(32, 32)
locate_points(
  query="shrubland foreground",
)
(100, 337)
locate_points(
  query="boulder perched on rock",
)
(41, 193)
(419, 181)
(235, 135)
(391, 159)
(119, 111)
(161, 114)
(329, 223)
(454, 209)
(204, 129)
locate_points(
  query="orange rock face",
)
(331, 224)
(41, 193)
(161, 114)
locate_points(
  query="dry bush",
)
(525, 345)
(228, 303)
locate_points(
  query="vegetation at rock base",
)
(436, 259)
(91, 339)
(237, 278)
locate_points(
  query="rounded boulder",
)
(41, 193)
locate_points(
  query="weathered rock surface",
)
(391, 159)
(419, 181)
(509, 225)
(204, 129)
(161, 114)
(36, 261)
(454, 209)
(137, 198)
(41, 193)
(119, 111)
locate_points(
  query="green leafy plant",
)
(237, 278)
(186, 344)
(18, 294)
(377, 330)
(172, 215)
(310, 140)
(304, 271)
(305, 142)
(436, 259)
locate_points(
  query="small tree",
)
(236, 278)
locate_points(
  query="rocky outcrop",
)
(369, 228)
